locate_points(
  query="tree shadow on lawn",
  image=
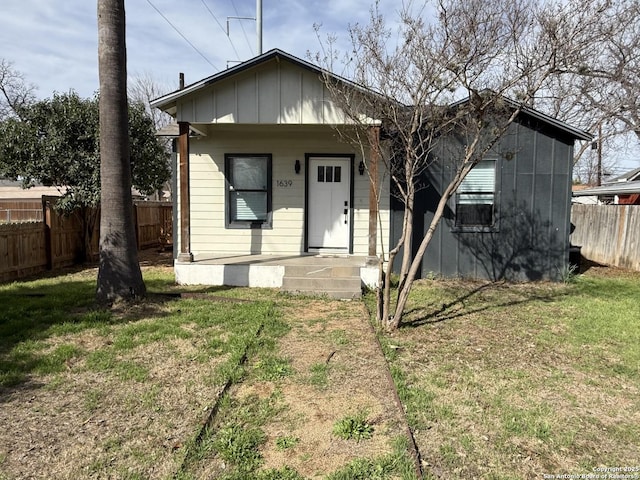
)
(421, 316)
(32, 313)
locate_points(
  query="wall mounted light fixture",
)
(297, 167)
(361, 167)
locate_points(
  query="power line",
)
(221, 28)
(185, 38)
(242, 26)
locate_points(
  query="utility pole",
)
(259, 27)
(258, 20)
(599, 170)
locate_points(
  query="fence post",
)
(46, 218)
(137, 224)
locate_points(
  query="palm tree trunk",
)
(119, 275)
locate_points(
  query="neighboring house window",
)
(248, 190)
(475, 197)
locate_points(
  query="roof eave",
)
(576, 133)
(625, 188)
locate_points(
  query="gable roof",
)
(165, 102)
(169, 102)
(575, 133)
(626, 177)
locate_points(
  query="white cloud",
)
(54, 44)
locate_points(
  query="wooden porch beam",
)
(374, 160)
(185, 254)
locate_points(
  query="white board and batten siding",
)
(209, 235)
(274, 93)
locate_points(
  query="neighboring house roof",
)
(12, 190)
(626, 177)
(620, 188)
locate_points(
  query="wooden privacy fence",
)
(608, 234)
(27, 248)
(154, 221)
(20, 210)
(22, 250)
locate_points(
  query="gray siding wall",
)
(530, 239)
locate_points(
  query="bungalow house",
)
(269, 195)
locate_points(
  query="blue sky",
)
(54, 43)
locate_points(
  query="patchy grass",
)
(116, 393)
(354, 427)
(125, 393)
(279, 422)
(517, 381)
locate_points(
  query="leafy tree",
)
(55, 142)
(119, 275)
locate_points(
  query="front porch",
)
(332, 275)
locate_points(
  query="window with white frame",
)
(475, 197)
(248, 190)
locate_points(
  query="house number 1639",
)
(284, 183)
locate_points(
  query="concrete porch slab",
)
(265, 271)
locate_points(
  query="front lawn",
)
(499, 381)
(227, 383)
(508, 381)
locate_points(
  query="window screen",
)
(476, 194)
(249, 189)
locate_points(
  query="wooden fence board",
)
(56, 241)
(22, 250)
(608, 234)
(20, 211)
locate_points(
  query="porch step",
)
(335, 282)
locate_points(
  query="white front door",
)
(329, 209)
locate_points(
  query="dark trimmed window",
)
(248, 190)
(475, 197)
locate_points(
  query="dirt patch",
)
(84, 424)
(334, 338)
(356, 381)
(89, 422)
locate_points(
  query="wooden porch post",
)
(374, 158)
(185, 254)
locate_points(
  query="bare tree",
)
(119, 275)
(15, 92)
(609, 76)
(598, 90)
(144, 88)
(481, 52)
